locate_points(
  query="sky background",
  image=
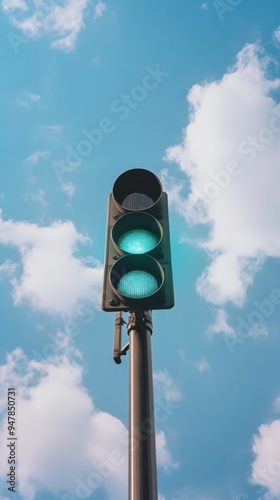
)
(189, 90)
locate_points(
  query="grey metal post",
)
(142, 448)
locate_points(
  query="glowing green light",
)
(138, 241)
(137, 284)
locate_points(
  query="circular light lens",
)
(137, 241)
(137, 284)
(136, 233)
(137, 189)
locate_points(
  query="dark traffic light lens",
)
(137, 189)
(138, 241)
(137, 284)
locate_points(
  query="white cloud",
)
(259, 330)
(164, 458)
(68, 188)
(61, 20)
(166, 396)
(35, 157)
(55, 413)
(8, 268)
(165, 387)
(201, 365)
(182, 355)
(40, 197)
(230, 155)
(53, 279)
(28, 99)
(10, 5)
(276, 34)
(174, 186)
(99, 9)
(276, 404)
(220, 324)
(52, 129)
(266, 465)
(205, 6)
(33, 97)
(85, 449)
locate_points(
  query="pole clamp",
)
(140, 319)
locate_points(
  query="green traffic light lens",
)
(137, 233)
(138, 241)
(136, 278)
(137, 284)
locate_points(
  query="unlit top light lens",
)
(137, 189)
(138, 241)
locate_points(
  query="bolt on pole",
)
(142, 447)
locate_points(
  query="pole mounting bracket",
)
(118, 350)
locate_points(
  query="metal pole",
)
(142, 448)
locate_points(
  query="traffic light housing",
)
(137, 271)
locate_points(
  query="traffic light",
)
(137, 272)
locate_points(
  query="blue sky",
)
(189, 90)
